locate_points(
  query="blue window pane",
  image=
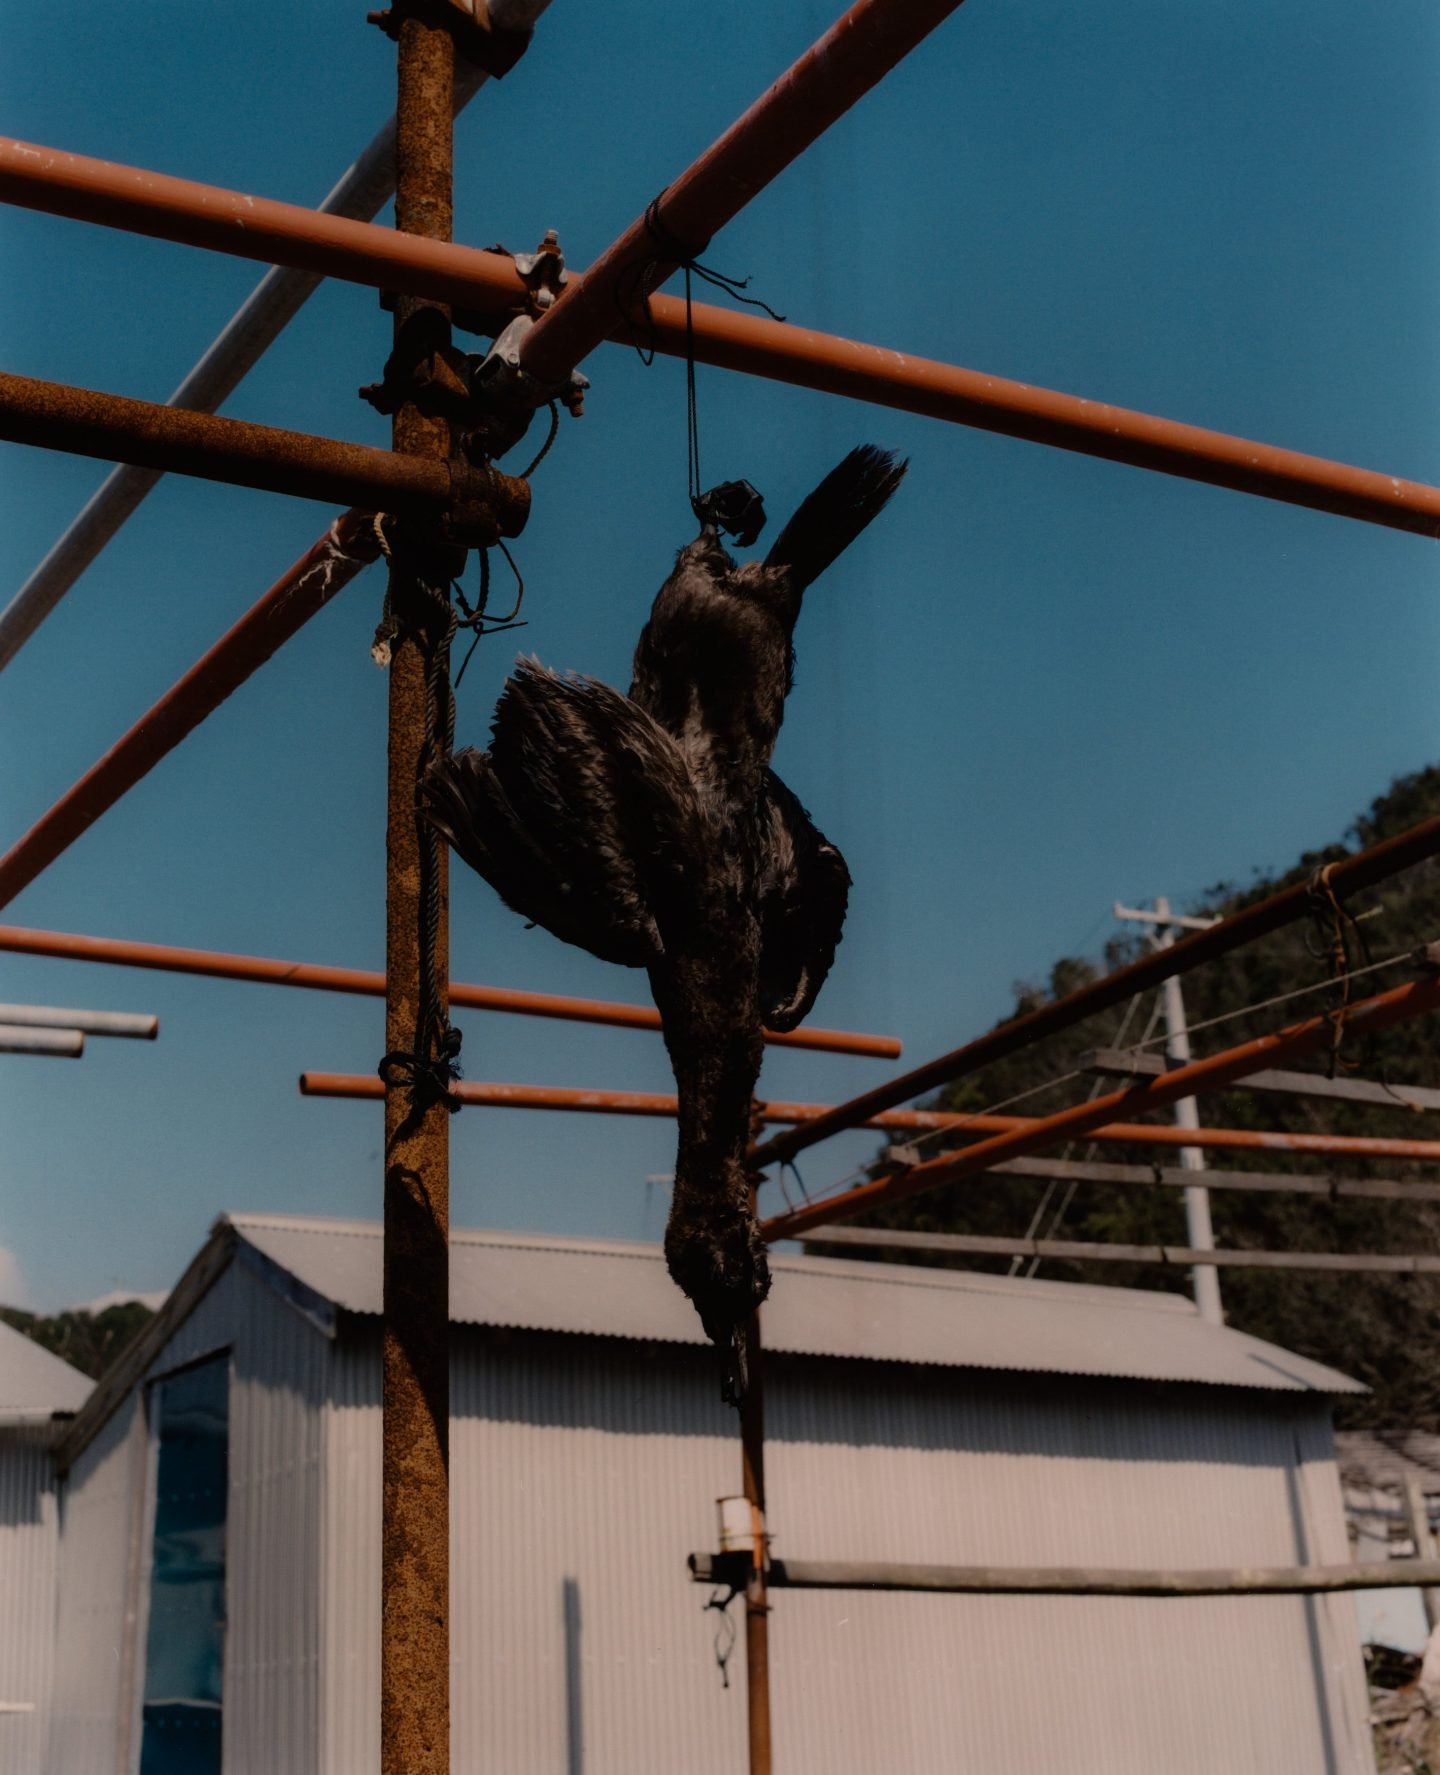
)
(184, 1654)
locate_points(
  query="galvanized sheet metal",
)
(28, 1546)
(271, 1689)
(33, 1383)
(883, 1312)
(585, 1469)
(583, 1472)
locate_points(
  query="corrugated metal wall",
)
(584, 1471)
(879, 1464)
(100, 1513)
(271, 1689)
(28, 1542)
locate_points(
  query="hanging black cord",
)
(735, 506)
(431, 1065)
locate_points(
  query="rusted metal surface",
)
(166, 208)
(285, 234)
(86, 422)
(659, 1103)
(856, 53)
(757, 1604)
(1348, 876)
(415, 1479)
(1369, 1016)
(366, 982)
(294, 598)
(360, 192)
(888, 378)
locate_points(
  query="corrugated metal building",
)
(1374, 1471)
(913, 1414)
(38, 1394)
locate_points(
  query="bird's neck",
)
(710, 1012)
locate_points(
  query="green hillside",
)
(1385, 1330)
(87, 1341)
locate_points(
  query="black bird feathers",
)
(650, 830)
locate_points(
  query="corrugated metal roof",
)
(1383, 1462)
(819, 1306)
(33, 1383)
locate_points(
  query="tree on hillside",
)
(87, 1341)
(1383, 1329)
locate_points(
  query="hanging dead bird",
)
(650, 830)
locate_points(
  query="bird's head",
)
(722, 1268)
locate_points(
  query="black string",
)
(632, 294)
(432, 1064)
(526, 473)
(475, 619)
(725, 1633)
(1336, 927)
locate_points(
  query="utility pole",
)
(1163, 924)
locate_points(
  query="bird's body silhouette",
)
(650, 830)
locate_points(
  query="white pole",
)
(134, 1024)
(1205, 1281)
(66, 1044)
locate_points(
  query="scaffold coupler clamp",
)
(479, 27)
(508, 396)
(485, 505)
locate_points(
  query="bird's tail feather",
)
(828, 520)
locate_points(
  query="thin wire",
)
(862, 1174)
(1038, 1216)
(1091, 1146)
(1283, 998)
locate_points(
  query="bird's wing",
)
(580, 815)
(804, 886)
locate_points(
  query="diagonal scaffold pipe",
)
(360, 193)
(285, 234)
(1347, 876)
(1416, 999)
(855, 54)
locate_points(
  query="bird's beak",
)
(735, 1376)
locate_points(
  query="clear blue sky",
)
(1041, 683)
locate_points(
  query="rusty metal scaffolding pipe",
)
(415, 1307)
(370, 983)
(491, 1095)
(1370, 1016)
(360, 192)
(1348, 876)
(361, 252)
(85, 422)
(856, 53)
(294, 598)
(192, 214)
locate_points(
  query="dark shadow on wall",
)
(574, 1699)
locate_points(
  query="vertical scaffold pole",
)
(757, 1602)
(415, 1533)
